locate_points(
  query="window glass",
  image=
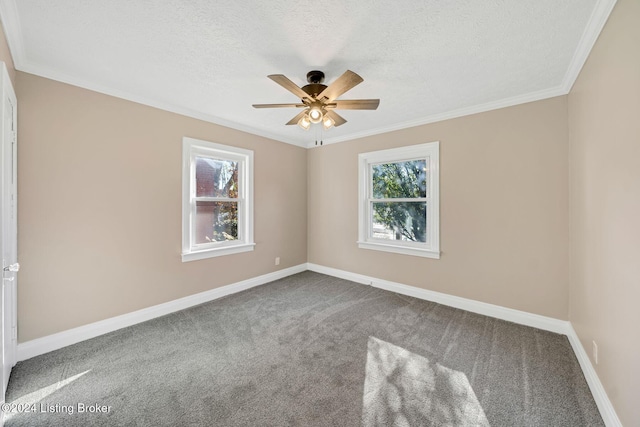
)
(216, 221)
(400, 179)
(217, 200)
(216, 178)
(400, 221)
(399, 200)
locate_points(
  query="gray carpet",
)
(309, 350)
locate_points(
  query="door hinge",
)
(14, 137)
(14, 333)
(15, 267)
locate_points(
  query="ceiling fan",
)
(319, 100)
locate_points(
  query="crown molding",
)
(602, 10)
(461, 112)
(11, 23)
(165, 106)
(597, 20)
(596, 23)
(12, 30)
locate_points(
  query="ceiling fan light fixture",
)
(318, 100)
(327, 122)
(315, 115)
(304, 122)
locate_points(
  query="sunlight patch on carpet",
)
(35, 397)
(402, 388)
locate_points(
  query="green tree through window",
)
(399, 200)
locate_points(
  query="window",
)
(399, 200)
(217, 200)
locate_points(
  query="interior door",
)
(8, 229)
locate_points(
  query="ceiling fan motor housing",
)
(315, 76)
(315, 86)
(314, 89)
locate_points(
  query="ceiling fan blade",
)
(289, 85)
(338, 119)
(297, 118)
(355, 104)
(346, 81)
(279, 105)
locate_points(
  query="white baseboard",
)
(509, 314)
(49, 343)
(607, 411)
(563, 327)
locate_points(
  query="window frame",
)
(192, 148)
(429, 151)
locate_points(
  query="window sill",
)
(425, 253)
(210, 253)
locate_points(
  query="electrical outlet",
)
(595, 352)
(277, 260)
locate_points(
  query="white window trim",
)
(431, 249)
(190, 148)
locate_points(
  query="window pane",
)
(400, 180)
(216, 221)
(400, 221)
(216, 178)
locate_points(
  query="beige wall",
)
(504, 208)
(5, 55)
(604, 129)
(100, 207)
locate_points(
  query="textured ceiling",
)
(425, 59)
